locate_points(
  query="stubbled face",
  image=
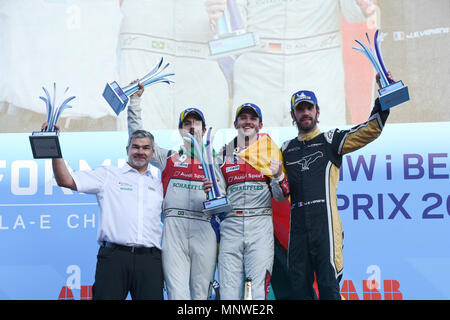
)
(140, 151)
(305, 116)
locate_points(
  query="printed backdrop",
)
(393, 198)
(393, 195)
(302, 44)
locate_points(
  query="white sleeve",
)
(134, 118)
(160, 156)
(134, 121)
(90, 181)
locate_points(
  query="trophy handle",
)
(380, 58)
(373, 61)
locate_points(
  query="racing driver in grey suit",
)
(246, 248)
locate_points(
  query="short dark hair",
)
(141, 134)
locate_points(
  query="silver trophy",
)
(45, 144)
(391, 93)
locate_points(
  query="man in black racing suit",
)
(312, 161)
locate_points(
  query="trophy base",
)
(116, 98)
(393, 95)
(216, 206)
(45, 145)
(232, 44)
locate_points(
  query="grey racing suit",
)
(189, 246)
(246, 234)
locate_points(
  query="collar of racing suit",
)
(309, 136)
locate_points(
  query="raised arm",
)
(134, 121)
(345, 141)
(62, 175)
(134, 118)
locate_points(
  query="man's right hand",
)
(207, 185)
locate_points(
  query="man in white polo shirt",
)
(129, 230)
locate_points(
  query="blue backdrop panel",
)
(393, 198)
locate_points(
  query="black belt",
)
(131, 249)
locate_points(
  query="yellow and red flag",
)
(261, 153)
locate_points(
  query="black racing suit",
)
(312, 164)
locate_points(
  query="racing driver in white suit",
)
(300, 46)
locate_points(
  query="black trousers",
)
(121, 270)
(309, 254)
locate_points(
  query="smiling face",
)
(139, 152)
(248, 124)
(306, 116)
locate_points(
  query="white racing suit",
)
(189, 246)
(179, 32)
(246, 234)
(300, 47)
(44, 42)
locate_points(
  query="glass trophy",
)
(118, 97)
(45, 144)
(391, 93)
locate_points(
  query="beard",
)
(304, 127)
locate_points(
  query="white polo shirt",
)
(130, 204)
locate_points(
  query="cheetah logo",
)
(306, 161)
